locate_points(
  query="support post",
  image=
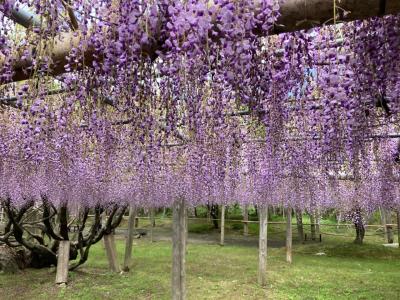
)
(152, 223)
(386, 219)
(179, 235)
(129, 239)
(338, 218)
(389, 229)
(62, 262)
(398, 227)
(313, 226)
(289, 235)
(36, 217)
(246, 220)
(111, 250)
(222, 225)
(299, 221)
(317, 222)
(262, 248)
(383, 220)
(1, 214)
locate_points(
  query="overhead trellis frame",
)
(314, 13)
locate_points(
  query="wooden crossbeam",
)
(295, 15)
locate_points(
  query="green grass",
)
(200, 228)
(275, 231)
(347, 271)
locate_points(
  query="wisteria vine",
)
(197, 99)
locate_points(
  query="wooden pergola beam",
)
(306, 14)
(295, 15)
(24, 15)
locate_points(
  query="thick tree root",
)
(12, 261)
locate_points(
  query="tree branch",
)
(46, 220)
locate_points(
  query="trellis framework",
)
(208, 124)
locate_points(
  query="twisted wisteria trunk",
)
(359, 226)
(214, 215)
(360, 232)
(17, 234)
(39, 237)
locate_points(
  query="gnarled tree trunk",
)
(21, 233)
(360, 232)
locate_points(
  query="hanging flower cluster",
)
(167, 99)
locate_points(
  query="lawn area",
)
(347, 271)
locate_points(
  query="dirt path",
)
(164, 234)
